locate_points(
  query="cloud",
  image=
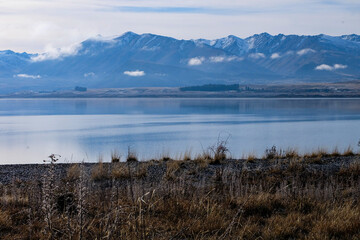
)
(330, 68)
(214, 59)
(136, 73)
(52, 53)
(28, 25)
(305, 51)
(89, 74)
(256, 55)
(196, 61)
(100, 38)
(324, 67)
(219, 59)
(23, 75)
(209, 10)
(275, 56)
(339, 66)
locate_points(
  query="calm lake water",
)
(84, 129)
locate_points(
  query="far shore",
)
(295, 90)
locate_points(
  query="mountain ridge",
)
(150, 60)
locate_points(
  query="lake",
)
(84, 129)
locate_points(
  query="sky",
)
(38, 26)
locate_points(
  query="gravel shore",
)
(155, 170)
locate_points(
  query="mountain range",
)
(148, 60)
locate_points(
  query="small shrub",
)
(219, 151)
(271, 153)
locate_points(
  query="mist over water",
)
(84, 129)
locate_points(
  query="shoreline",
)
(329, 164)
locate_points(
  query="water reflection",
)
(80, 129)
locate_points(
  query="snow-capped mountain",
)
(148, 60)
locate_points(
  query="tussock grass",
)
(251, 158)
(131, 156)
(115, 156)
(99, 171)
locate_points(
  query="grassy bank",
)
(283, 195)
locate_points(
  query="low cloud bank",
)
(275, 56)
(23, 75)
(330, 68)
(219, 59)
(257, 55)
(136, 73)
(89, 74)
(196, 61)
(305, 51)
(214, 59)
(52, 53)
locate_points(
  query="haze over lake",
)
(83, 129)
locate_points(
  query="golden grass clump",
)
(202, 160)
(73, 172)
(348, 151)
(317, 155)
(120, 171)
(172, 168)
(251, 158)
(99, 172)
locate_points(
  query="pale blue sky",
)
(41, 25)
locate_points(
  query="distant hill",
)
(149, 60)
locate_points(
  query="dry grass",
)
(251, 158)
(203, 160)
(349, 152)
(115, 156)
(186, 156)
(172, 168)
(316, 156)
(73, 172)
(120, 171)
(99, 172)
(190, 200)
(126, 171)
(5, 220)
